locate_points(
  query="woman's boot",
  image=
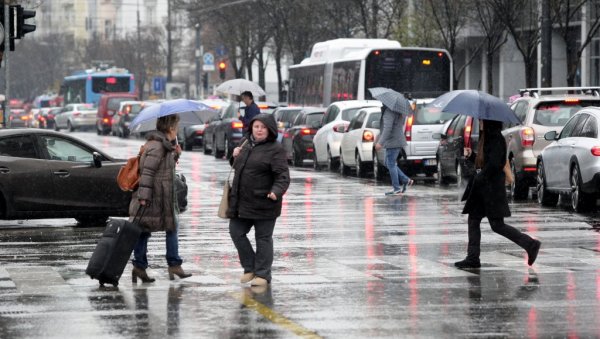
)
(140, 273)
(177, 271)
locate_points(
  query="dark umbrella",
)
(477, 104)
(391, 99)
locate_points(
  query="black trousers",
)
(259, 262)
(498, 226)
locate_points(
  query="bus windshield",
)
(110, 84)
(422, 73)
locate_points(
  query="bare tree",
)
(377, 18)
(495, 35)
(565, 14)
(521, 18)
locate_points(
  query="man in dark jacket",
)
(251, 109)
(261, 179)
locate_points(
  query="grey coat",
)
(157, 170)
(392, 129)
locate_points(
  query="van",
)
(108, 105)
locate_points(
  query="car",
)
(223, 132)
(193, 135)
(419, 154)
(358, 142)
(328, 138)
(297, 140)
(540, 111)
(46, 174)
(570, 164)
(128, 110)
(460, 132)
(75, 116)
(18, 117)
(108, 105)
(285, 116)
(49, 113)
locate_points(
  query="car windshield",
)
(430, 116)
(135, 109)
(558, 113)
(350, 113)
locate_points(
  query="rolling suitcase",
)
(113, 250)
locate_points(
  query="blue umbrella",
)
(178, 106)
(477, 104)
(391, 99)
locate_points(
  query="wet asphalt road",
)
(349, 263)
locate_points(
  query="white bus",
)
(344, 69)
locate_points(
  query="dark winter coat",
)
(157, 170)
(486, 193)
(250, 112)
(260, 168)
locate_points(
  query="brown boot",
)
(140, 273)
(247, 277)
(178, 271)
(258, 281)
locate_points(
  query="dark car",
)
(285, 117)
(108, 105)
(49, 114)
(19, 118)
(193, 135)
(298, 139)
(45, 174)
(460, 132)
(224, 132)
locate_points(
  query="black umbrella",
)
(477, 104)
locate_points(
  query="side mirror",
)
(551, 136)
(97, 160)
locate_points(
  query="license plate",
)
(430, 162)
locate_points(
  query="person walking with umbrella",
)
(394, 111)
(251, 109)
(486, 196)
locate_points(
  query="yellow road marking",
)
(275, 317)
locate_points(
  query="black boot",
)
(468, 263)
(473, 250)
(532, 252)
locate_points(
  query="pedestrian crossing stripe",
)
(275, 317)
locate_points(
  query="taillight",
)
(76, 114)
(596, 151)
(200, 132)
(527, 136)
(408, 129)
(25, 117)
(307, 131)
(50, 116)
(467, 132)
(237, 124)
(368, 136)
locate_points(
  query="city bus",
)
(344, 69)
(89, 85)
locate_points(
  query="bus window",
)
(344, 81)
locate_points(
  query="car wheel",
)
(125, 133)
(518, 189)
(544, 196)
(361, 169)
(70, 127)
(297, 160)
(441, 178)
(461, 179)
(316, 165)
(580, 201)
(96, 221)
(205, 149)
(218, 154)
(332, 164)
(187, 146)
(344, 170)
(98, 131)
(56, 127)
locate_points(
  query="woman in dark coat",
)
(486, 197)
(156, 192)
(261, 179)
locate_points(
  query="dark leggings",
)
(499, 227)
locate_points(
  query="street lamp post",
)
(198, 54)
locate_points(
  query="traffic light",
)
(222, 69)
(18, 27)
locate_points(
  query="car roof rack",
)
(535, 92)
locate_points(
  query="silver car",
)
(570, 165)
(76, 116)
(356, 147)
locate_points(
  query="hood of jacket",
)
(269, 121)
(161, 137)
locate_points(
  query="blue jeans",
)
(140, 250)
(397, 176)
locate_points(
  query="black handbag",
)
(181, 191)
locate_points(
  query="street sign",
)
(209, 62)
(221, 51)
(158, 84)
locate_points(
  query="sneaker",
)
(532, 253)
(394, 192)
(410, 182)
(468, 263)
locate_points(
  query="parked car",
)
(45, 174)
(128, 110)
(357, 145)
(539, 113)
(570, 164)
(419, 155)
(285, 116)
(193, 135)
(298, 139)
(460, 132)
(107, 107)
(328, 138)
(19, 118)
(75, 116)
(223, 132)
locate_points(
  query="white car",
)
(76, 116)
(356, 147)
(328, 138)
